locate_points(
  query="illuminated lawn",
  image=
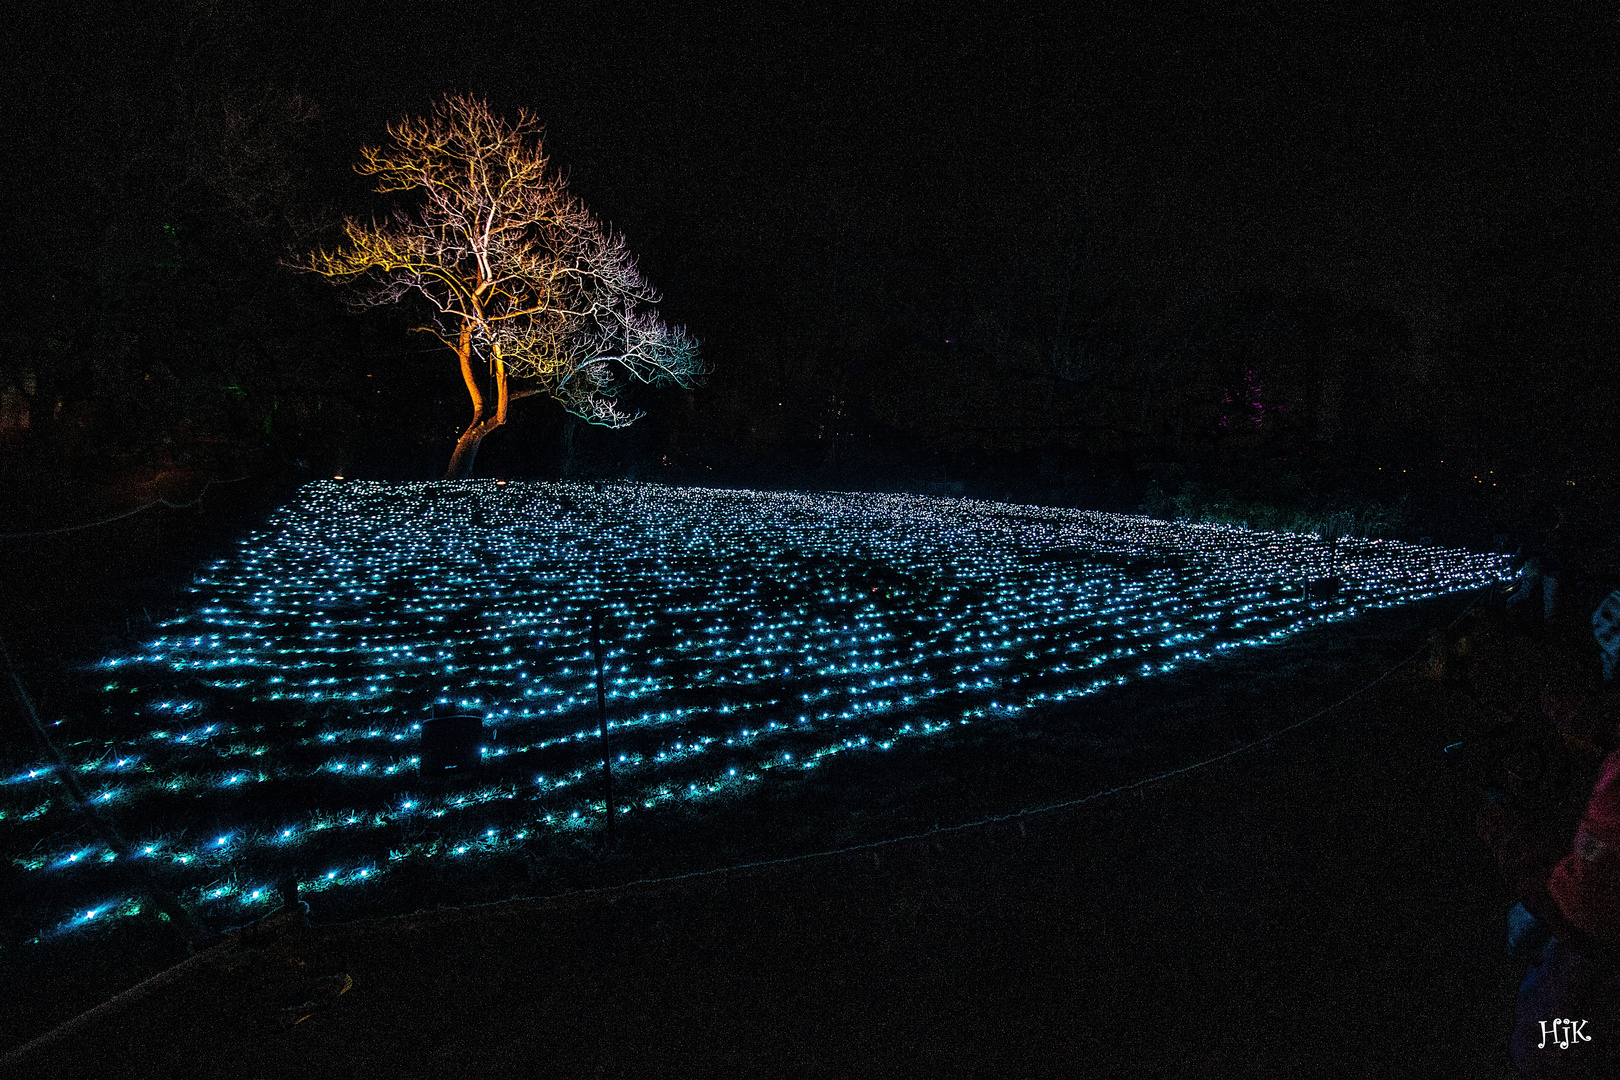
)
(274, 727)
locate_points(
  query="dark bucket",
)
(450, 744)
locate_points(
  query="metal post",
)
(601, 712)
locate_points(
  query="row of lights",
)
(753, 632)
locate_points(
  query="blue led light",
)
(750, 632)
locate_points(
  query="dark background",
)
(1062, 257)
(1328, 252)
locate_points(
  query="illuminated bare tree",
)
(527, 288)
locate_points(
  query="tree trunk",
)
(461, 462)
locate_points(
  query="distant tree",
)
(527, 288)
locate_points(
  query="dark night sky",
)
(1353, 146)
(778, 166)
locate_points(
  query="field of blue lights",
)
(272, 727)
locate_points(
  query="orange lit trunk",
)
(461, 461)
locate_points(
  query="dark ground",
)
(1317, 906)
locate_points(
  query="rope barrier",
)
(120, 517)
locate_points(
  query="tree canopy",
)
(529, 290)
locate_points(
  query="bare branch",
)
(519, 274)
